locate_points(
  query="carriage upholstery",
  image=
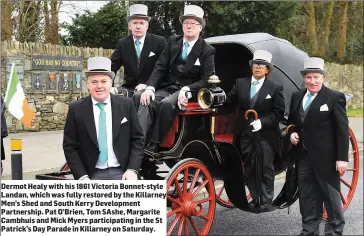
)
(224, 124)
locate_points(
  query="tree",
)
(51, 24)
(100, 29)
(6, 23)
(28, 20)
(341, 42)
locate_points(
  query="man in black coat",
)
(4, 131)
(138, 52)
(266, 98)
(102, 135)
(186, 63)
(321, 140)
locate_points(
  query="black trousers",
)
(313, 193)
(267, 156)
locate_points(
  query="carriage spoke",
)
(220, 191)
(204, 200)
(344, 182)
(173, 200)
(194, 180)
(186, 227)
(176, 219)
(194, 225)
(199, 188)
(352, 152)
(342, 198)
(178, 187)
(174, 211)
(204, 217)
(181, 224)
(185, 179)
(351, 169)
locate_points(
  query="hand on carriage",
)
(257, 125)
(294, 138)
(146, 95)
(140, 87)
(130, 175)
(341, 166)
(182, 99)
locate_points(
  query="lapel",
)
(176, 48)
(131, 53)
(316, 103)
(193, 55)
(88, 117)
(298, 101)
(117, 116)
(245, 89)
(263, 92)
(147, 48)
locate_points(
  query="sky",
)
(70, 8)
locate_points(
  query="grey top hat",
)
(138, 11)
(99, 65)
(193, 12)
(262, 57)
(313, 64)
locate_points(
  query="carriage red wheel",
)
(191, 209)
(349, 179)
(221, 197)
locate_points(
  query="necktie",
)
(253, 89)
(102, 139)
(308, 101)
(184, 52)
(137, 43)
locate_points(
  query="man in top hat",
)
(138, 52)
(321, 139)
(185, 65)
(102, 138)
(265, 97)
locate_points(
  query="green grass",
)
(355, 112)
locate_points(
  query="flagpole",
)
(9, 80)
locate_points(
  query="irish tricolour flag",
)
(16, 102)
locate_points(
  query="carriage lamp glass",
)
(212, 97)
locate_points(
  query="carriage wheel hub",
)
(191, 208)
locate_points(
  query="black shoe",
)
(266, 207)
(152, 147)
(253, 204)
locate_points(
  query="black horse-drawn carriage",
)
(201, 165)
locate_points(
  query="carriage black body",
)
(198, 147)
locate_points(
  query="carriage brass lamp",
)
(211, 98)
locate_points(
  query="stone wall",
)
(347, 79)
(51, 108)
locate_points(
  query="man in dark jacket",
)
(102, 135)
(4, 131)
(321, 140)
(186, 63)
(266, 98)
(138, 52)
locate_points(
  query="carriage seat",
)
(192, 108)
(224, 127)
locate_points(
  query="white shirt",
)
(112, 161)
(258, 86)
(191, 43)
(306, 97)
(141, 43)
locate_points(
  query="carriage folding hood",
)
(287, 59)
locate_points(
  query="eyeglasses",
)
(260, 65)
(191, 24)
